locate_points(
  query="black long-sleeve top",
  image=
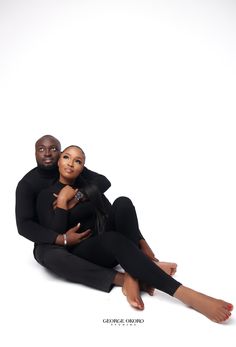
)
(26, 195)
(61, 220)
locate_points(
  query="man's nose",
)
(47, 152)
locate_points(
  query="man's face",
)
(47, 152)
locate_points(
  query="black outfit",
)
(54, 257)
(118, 244)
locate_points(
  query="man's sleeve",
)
(26, 216)
(57, 219)
(99, 180)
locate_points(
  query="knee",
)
(53, 257)
(123, 202)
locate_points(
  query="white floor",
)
(147, 88)
(40, 309)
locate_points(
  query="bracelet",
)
(65, 239)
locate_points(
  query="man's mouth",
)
(47, 161)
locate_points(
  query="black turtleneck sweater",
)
(26, 195)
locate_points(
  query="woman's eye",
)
(65, 157)
(78, 161)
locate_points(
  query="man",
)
(48, 251)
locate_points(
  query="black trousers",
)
(91, 262)
(119, 245)
(64, 264)
(67, 264)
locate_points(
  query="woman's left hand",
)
(70, 204)
(65, 197)
(67, 193)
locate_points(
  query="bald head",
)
(48, 138)
(47, 151)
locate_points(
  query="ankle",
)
(118, 279)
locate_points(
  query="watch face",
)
(79, 195)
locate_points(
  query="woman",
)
(113, 237)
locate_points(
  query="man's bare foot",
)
(216, 310)
(146, 288)
(169, 268)
(131, 290)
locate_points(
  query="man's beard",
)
(47, 167)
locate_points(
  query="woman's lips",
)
(68, 170)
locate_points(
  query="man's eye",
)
(41, 149)
(53, 149)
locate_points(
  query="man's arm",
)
(99, 180)
(26, 216)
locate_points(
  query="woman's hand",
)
(67, 193)
(64, 198)
(70, 204)
(72, 237)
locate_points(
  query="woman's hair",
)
(75, 147)
(99, 202)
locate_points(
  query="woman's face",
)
(71, 164)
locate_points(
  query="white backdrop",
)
(147, 89)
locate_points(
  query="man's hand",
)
(73, 238)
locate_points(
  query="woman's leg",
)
(123, 219)
(135, 262)
(140, 267)
(112, 247)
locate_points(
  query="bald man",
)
(48, 250)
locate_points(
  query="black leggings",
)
(119, 245)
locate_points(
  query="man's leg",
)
(69, 266)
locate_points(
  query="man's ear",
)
(59, 158)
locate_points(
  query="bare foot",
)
(146, 288)
(216, 310)
(169, 268)
(131, 290)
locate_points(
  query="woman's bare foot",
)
(216, 310)
(169, 268)
(131, 290)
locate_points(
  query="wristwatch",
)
(79, 196)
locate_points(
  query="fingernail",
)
(78, 224)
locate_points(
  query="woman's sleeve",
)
(57, 219)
